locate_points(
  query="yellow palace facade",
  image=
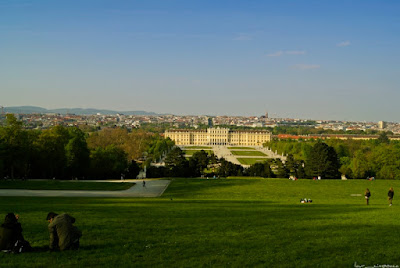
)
(218, 136)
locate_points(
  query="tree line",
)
(356, 159)
(324, 163)
(68, 153)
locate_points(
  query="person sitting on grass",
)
(11, 238)
(63, 235)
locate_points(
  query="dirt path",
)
(153, 188)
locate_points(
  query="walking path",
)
(223, 151)
(153, 188)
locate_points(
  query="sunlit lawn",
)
(241, 148)
(248, 153)
(251, 161)
(234, 222)
(197, 147)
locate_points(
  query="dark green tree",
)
(132, 170)
(176, 163)
(322, 161)
(50, 146)
(281, 170)
(16, 148)
(383, 138)
(198, 162)
(77, 153)
(227, 168)
(107, 163)
(261, 170)
(301, 173)
(291, 165)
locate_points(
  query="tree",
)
(227, 168)
(281, 171)
(360, 165)
(301, 173)
(134, 144)
(51, 145)
(176, 163)
(383, 138)
(291, 165)
(77, 153)
(159, 147)
(198, 162)
(16, 148)
(260, 169)
(107, 163)
(132, 170)
(323, 161)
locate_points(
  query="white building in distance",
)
(218, 136)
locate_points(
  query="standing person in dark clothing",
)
(390, 196)
(11, 232)
(63, 235)
(367, 195)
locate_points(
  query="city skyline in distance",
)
(94, 111)
(313, 60)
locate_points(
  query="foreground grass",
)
(248, 153)
(65, 185)
(250, 161)
(235, 222)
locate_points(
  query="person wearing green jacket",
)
(63, 234)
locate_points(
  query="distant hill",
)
(78, 111)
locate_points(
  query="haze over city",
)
(300, 59)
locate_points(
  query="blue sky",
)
(300, 59)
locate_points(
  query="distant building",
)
(382, 124)
(218, 136)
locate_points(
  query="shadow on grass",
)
(187, 187)
(42, 249)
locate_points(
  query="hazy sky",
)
(300, 59)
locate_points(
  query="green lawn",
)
(234, 222)
(191, 152)
(248, 153)
(65, 185)
(241, 148)
(251, 161)
(198, 147)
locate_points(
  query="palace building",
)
(218, 136)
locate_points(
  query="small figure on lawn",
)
(390, 196)
(367, 195)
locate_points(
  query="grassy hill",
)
(235, 222)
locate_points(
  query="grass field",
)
(197, 147)
(248, 153)
(65, 185)
(241, 148)
(251, 161)
(234, 222)
(191, 152)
